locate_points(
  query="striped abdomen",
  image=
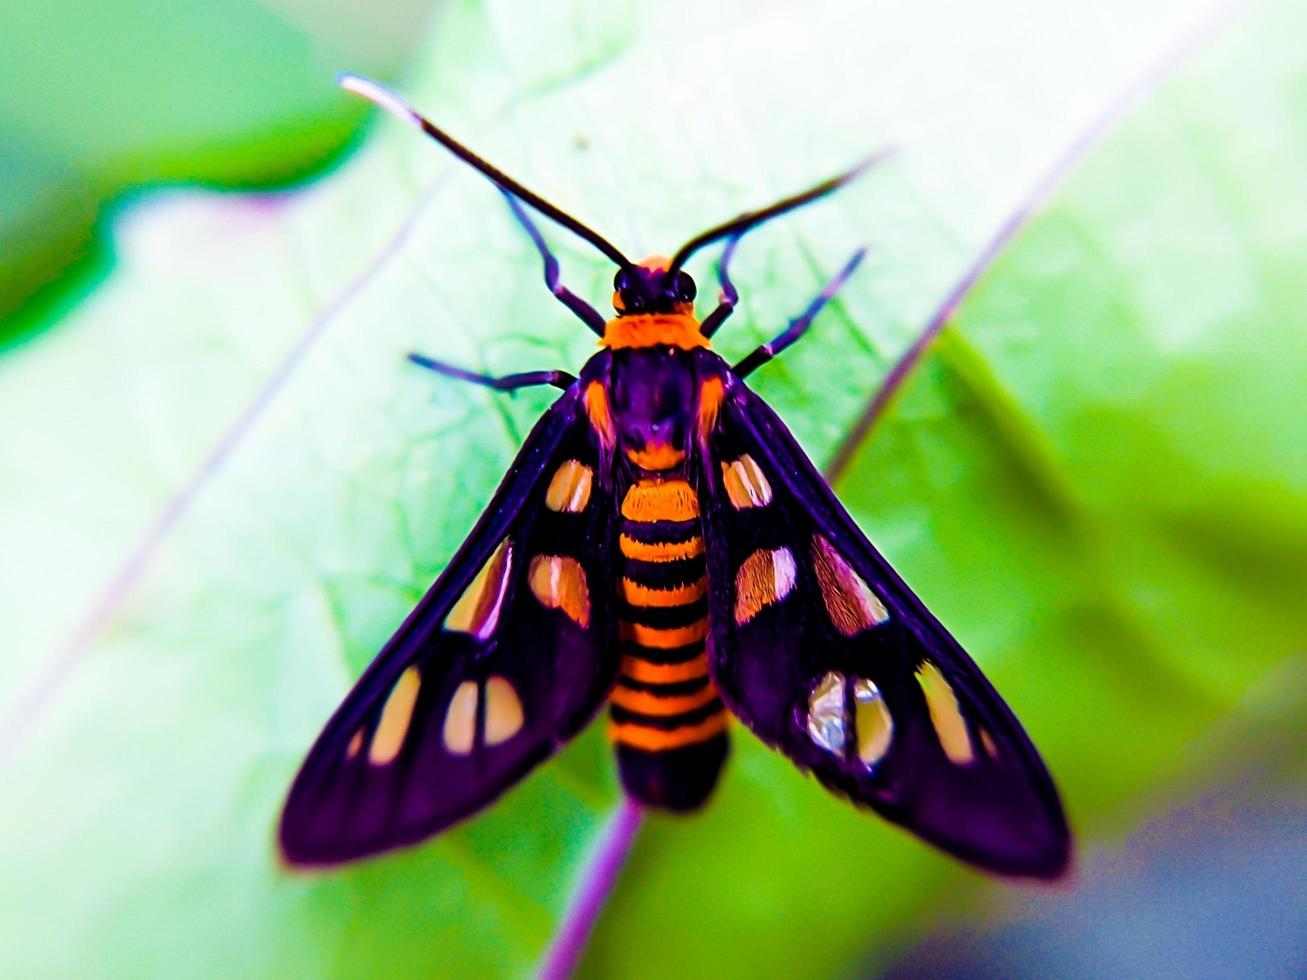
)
(667, 722)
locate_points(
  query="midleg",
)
(730, 296)
(588, 314)
(509, 382)
(799, 326)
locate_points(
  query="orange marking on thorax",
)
(601, 417)
(653, 330)
(711, 393)
(660, 740)
(656, 457)
(660, 500)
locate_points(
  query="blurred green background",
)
(103, 100)
(221, 487)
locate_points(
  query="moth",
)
(663, 546)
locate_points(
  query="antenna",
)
(384, 98)
(751, 219)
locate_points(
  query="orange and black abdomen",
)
(667, 723)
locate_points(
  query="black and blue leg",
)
(587, 313)
(800, 325)
(525, 379)
(509, 382)
(729, 294)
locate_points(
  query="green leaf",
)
(102, 98)
(227, 487)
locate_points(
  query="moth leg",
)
(509, 382)
(730, 296)
(591, 317)
(798, 327)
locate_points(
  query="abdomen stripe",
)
(664, 699)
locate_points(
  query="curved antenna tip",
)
(887, 152)
(734, 229)
(871, 160)
(380, 96)
(384, 98)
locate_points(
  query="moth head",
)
(650, 288)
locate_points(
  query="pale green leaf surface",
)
(1090, 478)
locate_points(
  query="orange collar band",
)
(653, 330)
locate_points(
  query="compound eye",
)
(632, 301)
(685, 289)
(622, 281)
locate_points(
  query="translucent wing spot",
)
(764, 578)
(559, 583)
(355, 745)
(460, 729)
(987, 742)
(569, 490)
(828, 717)
(826, 713)
(872, 720)
(503, 711)
(660, 500)
(388, 739)
(477, 609)
(945, 715)
(746, 484)
(850, 603)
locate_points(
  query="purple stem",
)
(1130, 96)
(597, 883)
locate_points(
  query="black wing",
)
(822, 650)
(507, 656)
